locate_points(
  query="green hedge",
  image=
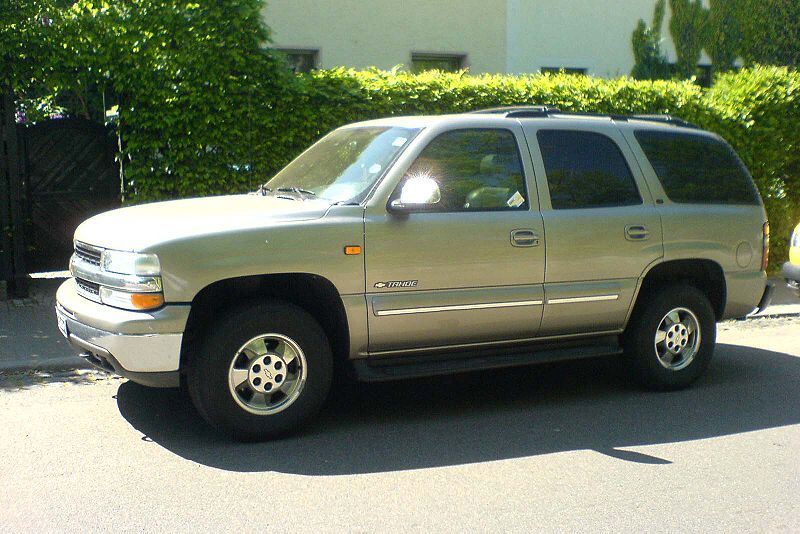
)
(265, 124)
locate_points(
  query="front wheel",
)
(261, 370)
(670, 340)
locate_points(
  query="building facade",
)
(492, 36)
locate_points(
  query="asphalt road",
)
(567, 447)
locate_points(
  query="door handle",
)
(636, 232)
(524, 237)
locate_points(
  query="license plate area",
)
(62, 324)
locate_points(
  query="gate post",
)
(11, 210)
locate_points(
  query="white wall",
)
(383, 33)
(514, 36)
(595, 35)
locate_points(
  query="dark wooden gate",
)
(69, 175)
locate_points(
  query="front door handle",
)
(524, 237)
(636, 232)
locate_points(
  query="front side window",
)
(586, 170)
(344, 165)
(476, 170)
(697, 169)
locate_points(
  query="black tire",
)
(639, 339)
(207, 370)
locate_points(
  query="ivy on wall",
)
(650, 63)
(758, 31)
(687, 26)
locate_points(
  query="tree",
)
(688, 29)
(650, 63)
(770, 31)
(723, 34)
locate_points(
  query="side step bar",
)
(380, 369)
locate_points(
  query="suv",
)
(415, 246)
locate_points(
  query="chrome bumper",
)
(132, 347)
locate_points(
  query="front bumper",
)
(791, 272)
(142, 346)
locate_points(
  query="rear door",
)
(471, 270)
(602, 228)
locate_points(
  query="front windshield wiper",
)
(296, 190)
(262, 190)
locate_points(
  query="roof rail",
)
(667, 119)
(512, 112)
(520, 111)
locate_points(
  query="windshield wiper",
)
(262, 190)
(296, 190)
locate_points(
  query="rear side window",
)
(696, 169)
(586, 170)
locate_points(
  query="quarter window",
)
(697, 169)
(586, 170)
(476, 169)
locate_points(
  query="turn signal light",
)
(765, 250)
(352, 250)
(146, 301)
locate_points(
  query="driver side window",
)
(476, 170)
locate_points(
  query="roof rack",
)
(667, 119)
(518, 112)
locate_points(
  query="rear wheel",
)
(670, 340)
(262, 370)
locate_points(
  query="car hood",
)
(138, 228)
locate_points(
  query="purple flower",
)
(20, 117)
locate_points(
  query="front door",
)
(470, 270)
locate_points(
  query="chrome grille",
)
(87, 253)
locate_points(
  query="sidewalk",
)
(29, 337)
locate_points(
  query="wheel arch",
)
(706, 275)
(315, 294)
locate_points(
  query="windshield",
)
(344, 165)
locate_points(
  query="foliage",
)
(650, 63)
(205, 109)
(723, 34)
(688, 29)
(770, 31)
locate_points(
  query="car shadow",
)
(479, 417)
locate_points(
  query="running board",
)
(380, 369)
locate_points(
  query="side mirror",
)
(417, 194)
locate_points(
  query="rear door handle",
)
(636, 232)
(524, 237)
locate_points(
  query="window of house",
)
(697, 169)
(476, 169)
(444, 62)
(565, 70)
(704, 76)
(301, 60)
(586, 170)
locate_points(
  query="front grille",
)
(87, 254)
(86, 286)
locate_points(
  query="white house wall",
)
(512, 36)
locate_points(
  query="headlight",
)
(115, 261)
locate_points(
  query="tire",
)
(281, 360)
(685, 351)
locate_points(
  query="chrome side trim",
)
(456, 307)
(571, 300)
